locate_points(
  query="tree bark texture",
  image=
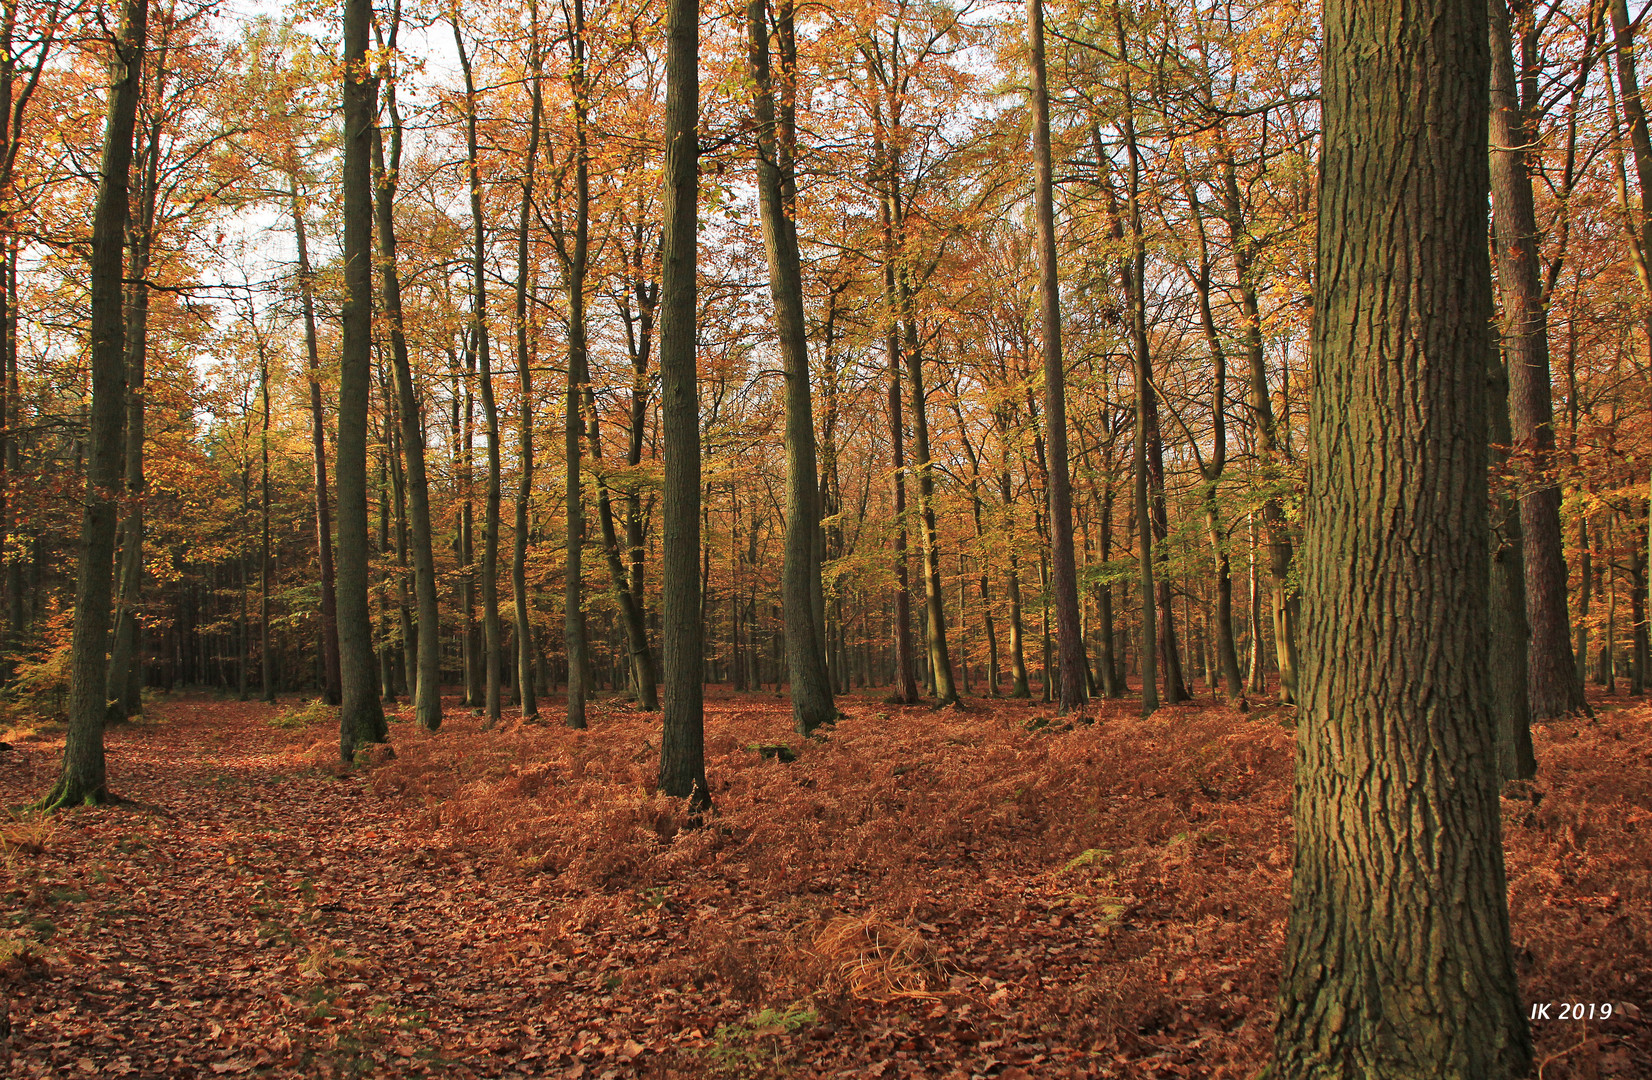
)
(1398, 962)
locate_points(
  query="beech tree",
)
(83, 778)
(361, 717)
(682, 742)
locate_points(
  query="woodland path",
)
(923, 894)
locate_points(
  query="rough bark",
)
(1398, 961)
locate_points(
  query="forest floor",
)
(980, 893)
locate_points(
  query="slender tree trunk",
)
(1554, 691)
(906, 684)
(125, 689)
(426, 688)
(1227, 657)
(266, 670)
(83, 779)
(526, 690)
(318, 453)
(491, 628)
(1063, 570)
(574, 271)
(682, 741)
(1398, 961)
(1135, 271)
(1508, 646)
(361, 716)
(811, 690)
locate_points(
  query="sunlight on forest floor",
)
(953, 894)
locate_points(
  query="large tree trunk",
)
(426, 690)
(1398, 961)
(811, 690)
(491, 629)
(83, 779)
(1554, 688)
(682, 740)
(318, 453)
(361, 716)
(1063, 570)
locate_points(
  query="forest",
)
(905, 538)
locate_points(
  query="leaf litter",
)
(956, 894)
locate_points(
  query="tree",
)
(426, 690)
(1554, 685)
(524, 369)
(331, 686)
(361, 717)
(1526, 331)
(83, 779)
(811, 689)
(1397, 958)
(574, 252)
(491, 628)
(1063, 569)
(682, 740)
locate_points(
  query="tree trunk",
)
(491, 629)
(1134, 272)
(361, 717)
(573, 272)
(318, 453)
(1398, 961)
(426, 690)
(682, 740)
(266, 670)
(125, 689)
(1063, 570)
(1507, 643)
(906, 684)
(1550, 676)
(83, 779)
(811, 691)
(526, 690)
